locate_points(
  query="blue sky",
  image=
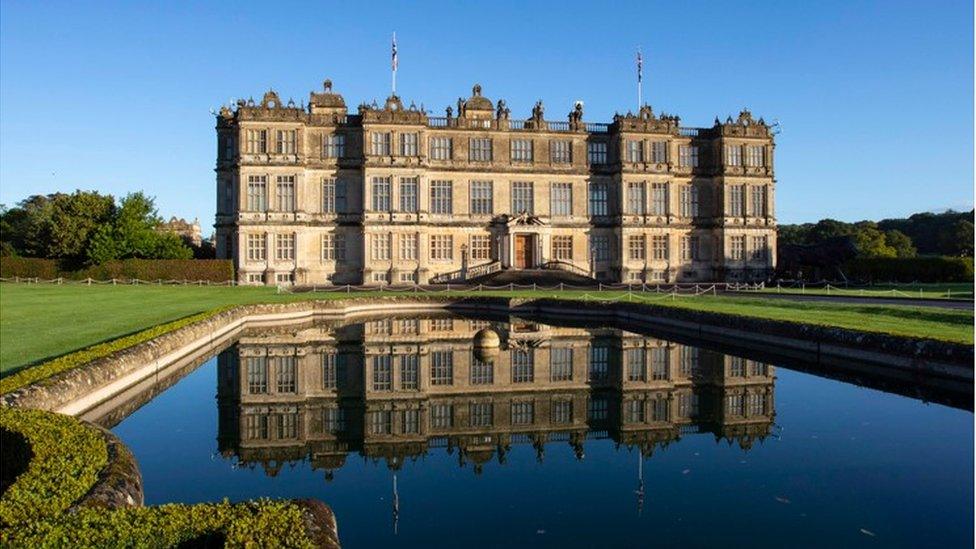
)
(875, 99)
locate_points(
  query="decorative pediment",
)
(743, 126)
(524, 219)
(270, 100)
(645, 121)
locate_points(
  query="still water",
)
(574, 436)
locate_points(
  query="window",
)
(561, 151)
(635, 151)
(257, 193)
(287, 425)
(600, 247)
(408, 372)
(523, 366)
(689, 201)
(255, 278)
(257, 374)
(481, 414)
(482, 373)
(382, 373)
(660, 367)
(441, 247)
(286, 377)
(330, 371)
(441, 148)
(381, 193)
(256, 426)
(340, 197)
(523, 413)
(635, 198)
(660, 410)
(410, 419)
(735, 405)
(659, 152)
(733, 155)
(635, 245)
(561, 364)
(380, 247)
(689, 248)
(380, 144)
(380, 422)
(757, 404)
(521, 150)
(562, 411)
(333, 247)
(597, 409)
(442, 416)
(562, 248)
(285, 193)
(737, 248)
(481, 198)
(284, 247)
(758, 193)
(735, 200)
(381, 277)
(599, 199)
(599, 363)
(257, 141)
(286, 141)
(737, 366)
(596, 152)
(561, 199)
(760, 248)
(480, 246)
(659, 246)
(256, 247)
(634, 361)
(688, 156)
(659, 199)
(408, 246)
(442, 325)
(333, 420)
(689, 360)
(408, 194)
(333, 146)
(329, 195)
(441, 368)
(441, 197)
(754, 156)
(408, 144)
(480, 150)
(522, 197)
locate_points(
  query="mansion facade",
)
(391, 195)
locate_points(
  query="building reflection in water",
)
(396, 388)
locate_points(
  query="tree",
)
(870, 241)
(900, 242)
(57, 226)
(825, 229)
(958, 239)
(132, 234)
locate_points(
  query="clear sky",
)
(875, 99)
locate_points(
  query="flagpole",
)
(394, 63)
(640, 78)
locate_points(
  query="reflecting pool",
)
(564, 435)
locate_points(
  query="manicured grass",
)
(39, 322)
(955, 290)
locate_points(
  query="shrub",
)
(212, 270)
(911, 269)
(28, 267)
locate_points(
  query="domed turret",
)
(486, 345)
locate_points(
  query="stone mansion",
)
(393, 195)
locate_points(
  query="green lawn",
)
(954, 290)
(38, 322)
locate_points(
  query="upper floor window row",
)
(755, 155)
(285, 142)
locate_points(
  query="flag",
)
(394, 52)
(640, 66)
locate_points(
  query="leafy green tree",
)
(826, 229)
(900, 242)
(57, 226)
(957, 240)
(133, 234)
(870, 241)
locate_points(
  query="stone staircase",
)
(528, 277)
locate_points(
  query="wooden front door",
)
(523, 251)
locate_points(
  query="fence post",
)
(534, 288)
(948, 293)
(561, 286)
(348, 289)
(113, 282)
(511, 286)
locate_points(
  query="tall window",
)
(562, 411)
(286, 378)
(754, 155)
(689, 248)
(480, 149)
(380, 144)
(659, 152)
(382, 373)
(257, 193)
(257, 374)
(441, 368)
(481, 198)
(329, 195)
(599, 199)
(561, 364)
(735, 200)
(257, 141)
(482, 373)
(737, 248)
(480, 246)
(561, 151)
(599, 367)
(380, 247)
(635, 247)
(441, 197)
(758, 200)
(600, 247)
(523, 366)
(522, 150)
(733, 155)
(442, 247)
(409, 372)
(635, 151)
(689, 201)
(760, 248)
(523, 413)
(659, 199)
(333, 145)
(561, 199)
(408, 144)
(522, 197)
(442, 416)
(284, 247)
(381, 193)
(562, 248)
(256, 247)
(659, 244)
(330, 371)
(286, 141)
(481, 414)
(408, 194)
(635, 197)
(333, 247)
(634, 361)
(285, 193)
(408, 246)
(596, 152)
(441, 148)
(688, 156)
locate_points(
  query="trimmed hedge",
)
(911, 269)
(213, 270)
